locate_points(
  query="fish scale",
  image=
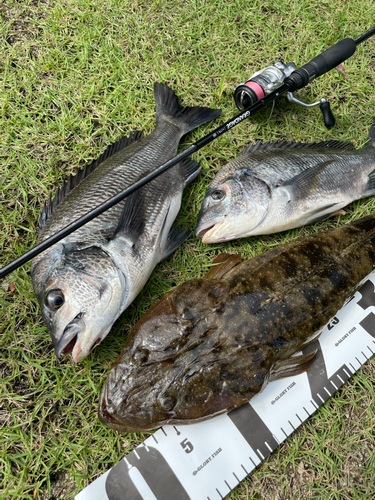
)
(84, 282)
(278, 186)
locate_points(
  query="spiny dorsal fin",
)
(74, 180)
(262, 146)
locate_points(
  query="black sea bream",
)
(84, 282)
(274, 187)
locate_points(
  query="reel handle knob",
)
(329, 119)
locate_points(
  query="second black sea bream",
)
(273, 187)
(84, 282)
(214, 343)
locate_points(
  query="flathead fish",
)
(273, 187)
(84, 282)
(214, 343)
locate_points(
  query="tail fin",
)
(168, 108)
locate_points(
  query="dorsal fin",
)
(262, 146)
(74, 180)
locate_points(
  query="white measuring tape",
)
(194, 462)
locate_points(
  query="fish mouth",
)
(104, 413)
(69, 348)
(201, 232)
(107, 419)
(82, 347)
(207, 232)
(204, 227)
(70, 342)
(70, 336)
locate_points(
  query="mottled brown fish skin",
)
(211, 345)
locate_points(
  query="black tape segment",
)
(154, 470)
(254, 430)
(367, 291)
(118, 484)
(368, 324)
(322, 387)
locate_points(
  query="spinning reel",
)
(267, 80)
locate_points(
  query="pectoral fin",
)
(311, 340)
(132, 219)
(176, 237)
(293, 366)
(224, 263)
(305, 183)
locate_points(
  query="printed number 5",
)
(187, 446)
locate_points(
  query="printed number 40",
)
(187, 446)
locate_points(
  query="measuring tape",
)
(205, 461)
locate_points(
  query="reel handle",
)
(329, 119)
(321, 64)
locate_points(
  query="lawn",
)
(77, 75)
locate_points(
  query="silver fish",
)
(273, 187)
(84, 282)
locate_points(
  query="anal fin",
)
(370, 188)
(293, 366)
(323, 213)
(175, 238)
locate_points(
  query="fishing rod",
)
(294, 80)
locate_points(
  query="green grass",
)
(74, 77)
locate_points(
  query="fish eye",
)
(55, 299)
(167, 403)
(140, 356)
(218, 195)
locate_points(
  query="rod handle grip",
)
(321, 64)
